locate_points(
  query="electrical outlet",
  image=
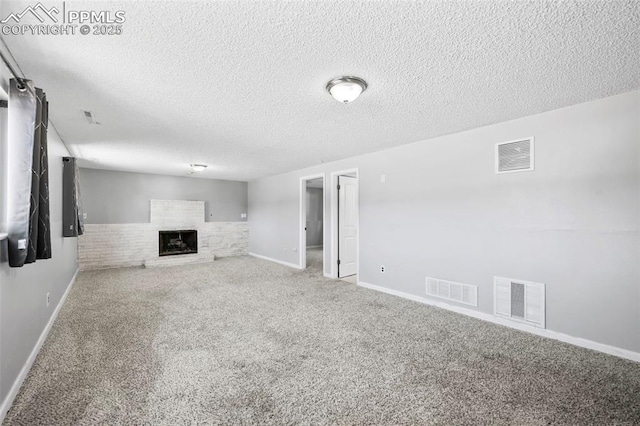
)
(382, 269)
(48, 299)
(84, 215)
(243, 216)
(383, 178)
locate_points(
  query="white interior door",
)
(347, 226)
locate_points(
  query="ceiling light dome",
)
(346, 89)
(198, 167)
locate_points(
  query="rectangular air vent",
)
(450, 290)
(515, 156)
(90, 117)
(518, 300)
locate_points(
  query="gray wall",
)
(23, 310)
(123, 197)
(314, 217)
(572, 224)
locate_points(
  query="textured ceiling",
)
(241, 85)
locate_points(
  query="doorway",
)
(345, 225)
(312, 224)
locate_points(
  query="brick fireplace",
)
(135, 244)
(172, 243)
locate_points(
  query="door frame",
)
(334, 221)
(302, 262)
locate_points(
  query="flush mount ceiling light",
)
(198, 167)
(346, 89)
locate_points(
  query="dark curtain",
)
(79, 202)
(28, 177)
(44, 221)
(72, 222)
(39, 233)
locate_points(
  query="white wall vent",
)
(457, 292)
(514, 156)
(518, 300)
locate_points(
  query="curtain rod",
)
(20, 80)
(11, 70)
(4, 104)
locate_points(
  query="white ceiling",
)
(241, 85)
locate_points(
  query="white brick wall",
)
(177, 213)
(134, 244)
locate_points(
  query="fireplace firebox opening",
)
(178, 242)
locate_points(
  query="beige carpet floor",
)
(314, 260)
(315, 263)
(245, 341)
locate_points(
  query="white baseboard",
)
(315, 247)
(270, 259)
(17, 384)
(577, 341)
